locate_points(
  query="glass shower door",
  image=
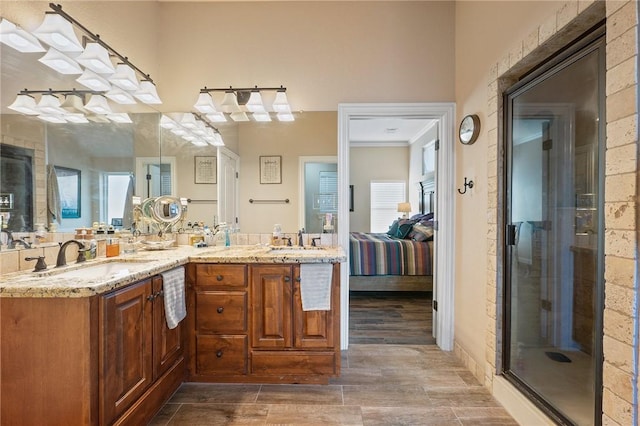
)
(554, 240)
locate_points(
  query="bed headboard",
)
(427, 196)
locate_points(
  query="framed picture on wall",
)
(206, 169)
(270, 169)
(69, 189)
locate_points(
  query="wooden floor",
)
(380, 384)
(394, 318)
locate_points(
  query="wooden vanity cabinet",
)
(247, 325)
(285, 340)
(218, 319)
(137, 349)
(97, 360)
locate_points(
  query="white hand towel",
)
(315, 286)
(175, 307)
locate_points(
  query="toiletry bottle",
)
(227, 240)
(275, 236)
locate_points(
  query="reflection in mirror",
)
(16, 195)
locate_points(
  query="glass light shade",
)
(25, 104)
(98, 118)
(58, 32)
(230, 102)
(119, 96)
(76, 118)
(96, 58)
(285, 116)
(254, 104)
(239, 116)
(17, 38)
(205, 104)
(167, 123)
(51, 118)
(147, 93)
(189, 138)
(125, 77)
(99, 105)
(199, 142)
(216, 117)
(261, 116)
(60, 62)
(200, 129)
(73, 104)
(280, 104)
(218, 140)
(188, 120)
(178, 131)
(120, 117)
(50, 105)
(93, 81)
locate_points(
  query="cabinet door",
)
(126, 362)
(167, 343)
(312, 329)
(271, 306)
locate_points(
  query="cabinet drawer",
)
(209, 275)
(221, 354)
(292, 363)
(221, 312)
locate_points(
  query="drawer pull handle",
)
(151, 297)
(220, 309)
(298, 279)
(287, 279)
(219, 354)
(219, 278)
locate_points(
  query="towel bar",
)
(285, 201)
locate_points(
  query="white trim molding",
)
(445, 207)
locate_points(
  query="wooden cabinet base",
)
(154, 398)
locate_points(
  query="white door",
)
(229, 167)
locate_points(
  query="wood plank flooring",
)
(386, 379)
(399, 318)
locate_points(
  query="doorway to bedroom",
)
(392, 181)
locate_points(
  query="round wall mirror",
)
(166, 210)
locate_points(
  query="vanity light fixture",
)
(238, 101)
(125, 77)
(205, 104)
(25, 104)
(188, 120)
(96, 58)
(167, 122)
(239, 116)
(98, 118)
(281, 104)
(76, 118)
(261, 116)
(51, 118)
(230, 102)
(60, 62)
(58, 32)
(73, 103)
(147, 93)
(50, 105)
(119, 96)
(17, 38)
(216, 117)
(93, 81)
(99, 105)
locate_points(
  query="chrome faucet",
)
(62, 259)
(9, 235)
(22, 241)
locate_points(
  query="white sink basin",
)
(104, 269)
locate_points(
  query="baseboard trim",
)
(520, 408)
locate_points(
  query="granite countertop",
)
(106, 274)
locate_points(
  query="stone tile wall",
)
(621, 177)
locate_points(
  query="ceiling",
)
(390, 131)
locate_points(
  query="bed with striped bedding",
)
(380, 254)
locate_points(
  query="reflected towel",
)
(54, 207)
(315, 286)
(127, 215)
(175, 307)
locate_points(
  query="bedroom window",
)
(385, 196)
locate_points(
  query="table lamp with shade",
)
(404, 208)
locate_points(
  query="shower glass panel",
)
(554, 236)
